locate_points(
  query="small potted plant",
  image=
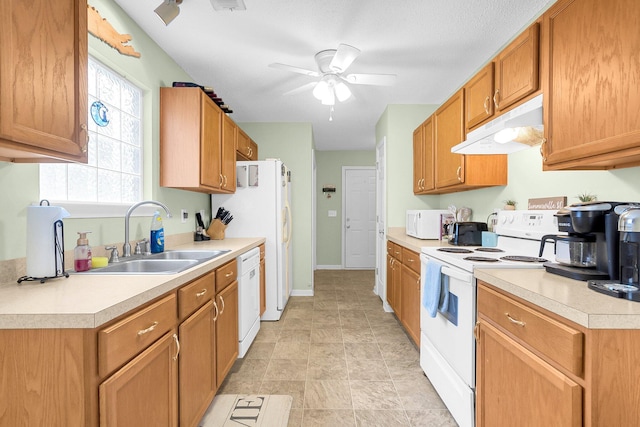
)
(509, 205)
(587, 197)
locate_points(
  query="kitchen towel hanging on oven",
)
(435, 296)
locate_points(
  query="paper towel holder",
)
(58, 238)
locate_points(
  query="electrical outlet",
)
(183, 215)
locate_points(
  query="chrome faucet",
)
(126, 248)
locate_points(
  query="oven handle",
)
(448, 271)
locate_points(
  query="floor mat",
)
(235, 410)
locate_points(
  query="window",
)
(113, 174)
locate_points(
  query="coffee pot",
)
(629, 228)
(589, 250)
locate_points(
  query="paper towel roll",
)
(41, 240)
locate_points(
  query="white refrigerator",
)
(261, 207)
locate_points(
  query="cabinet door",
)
(253, 150)
(418, 160)
(210, 153)
(229, 135)
(145, 391)
(43, 79)
(516, 69)
(449, 131)
(390, 284)
(428, 156)
(226, 331)
(478, 94)
(592, 95)
(243, 145)
(197, 365)
(410, 304)
(514, 387)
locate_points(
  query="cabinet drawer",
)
(394, 250)
(123, 340)
(411, 259)
(195, 294)
(226, 275)
(557, 341)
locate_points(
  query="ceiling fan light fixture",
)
(342, 92)
(321, 91)
(330, 97)
(168, 10)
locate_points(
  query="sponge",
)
(99, 261)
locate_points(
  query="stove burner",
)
(481, 259)
(456, 250)
(485, 249)
(521, 258)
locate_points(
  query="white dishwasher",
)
(248, 299)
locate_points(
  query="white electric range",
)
(447, 344)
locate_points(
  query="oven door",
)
(451, 332)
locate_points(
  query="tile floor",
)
(343, 359)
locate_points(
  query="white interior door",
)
(359, 219)
(380, 287)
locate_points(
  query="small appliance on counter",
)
(467, 233)
(427, 223)
(589, 250)
(628, 285)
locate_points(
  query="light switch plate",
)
(333, 213)
(183, 215)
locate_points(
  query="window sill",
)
(103, 210)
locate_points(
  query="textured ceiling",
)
(433, 46)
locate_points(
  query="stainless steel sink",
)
(170, 262)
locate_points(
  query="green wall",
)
(329, 229)
(293, 144)
(19, 185)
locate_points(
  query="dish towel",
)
(432, 285)
(443, 305)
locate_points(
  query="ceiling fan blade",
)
(371, 79)
(295, 69)
(345, 55)
(301, 89)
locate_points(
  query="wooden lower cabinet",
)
(144, 391)
(410, 305)
(226, 326)
(514, 387)
(197, 365)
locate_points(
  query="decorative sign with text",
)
(548, 203)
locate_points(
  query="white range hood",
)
(513, 131)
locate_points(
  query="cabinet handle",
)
(221, 180)
(217, 311)
(544, 158)
(175, 339)
(512, 320)
(495, 98)
(84, 129)
(458, 173)
(149, 329)
(229, 274)
(201, 293)
(476, 331)
(222, 301)
(485, 104)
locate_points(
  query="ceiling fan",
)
(332, 65)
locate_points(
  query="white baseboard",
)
(328, 267)
(301, 293)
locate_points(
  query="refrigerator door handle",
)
(287, 237)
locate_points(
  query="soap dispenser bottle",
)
(82, 253)
(157, 234)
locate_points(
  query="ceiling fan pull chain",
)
(331, 114)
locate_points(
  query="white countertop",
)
(90, 300)
(569, 298)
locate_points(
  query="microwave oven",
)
(427, 224)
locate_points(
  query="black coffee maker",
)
(592, 240)
(629, 228)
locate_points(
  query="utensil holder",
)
(216, 230)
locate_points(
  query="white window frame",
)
(118, 210)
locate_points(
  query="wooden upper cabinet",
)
(246, 148)
(229, 137)
(592, 95)
(512, 76)
(423, 177)
(479, 97)
(190, 140)
(517, 69)
(43, 80)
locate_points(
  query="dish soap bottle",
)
(82, 253)
(157, 234)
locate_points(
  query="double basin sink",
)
(169, 262)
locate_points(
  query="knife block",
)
(216, 230)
